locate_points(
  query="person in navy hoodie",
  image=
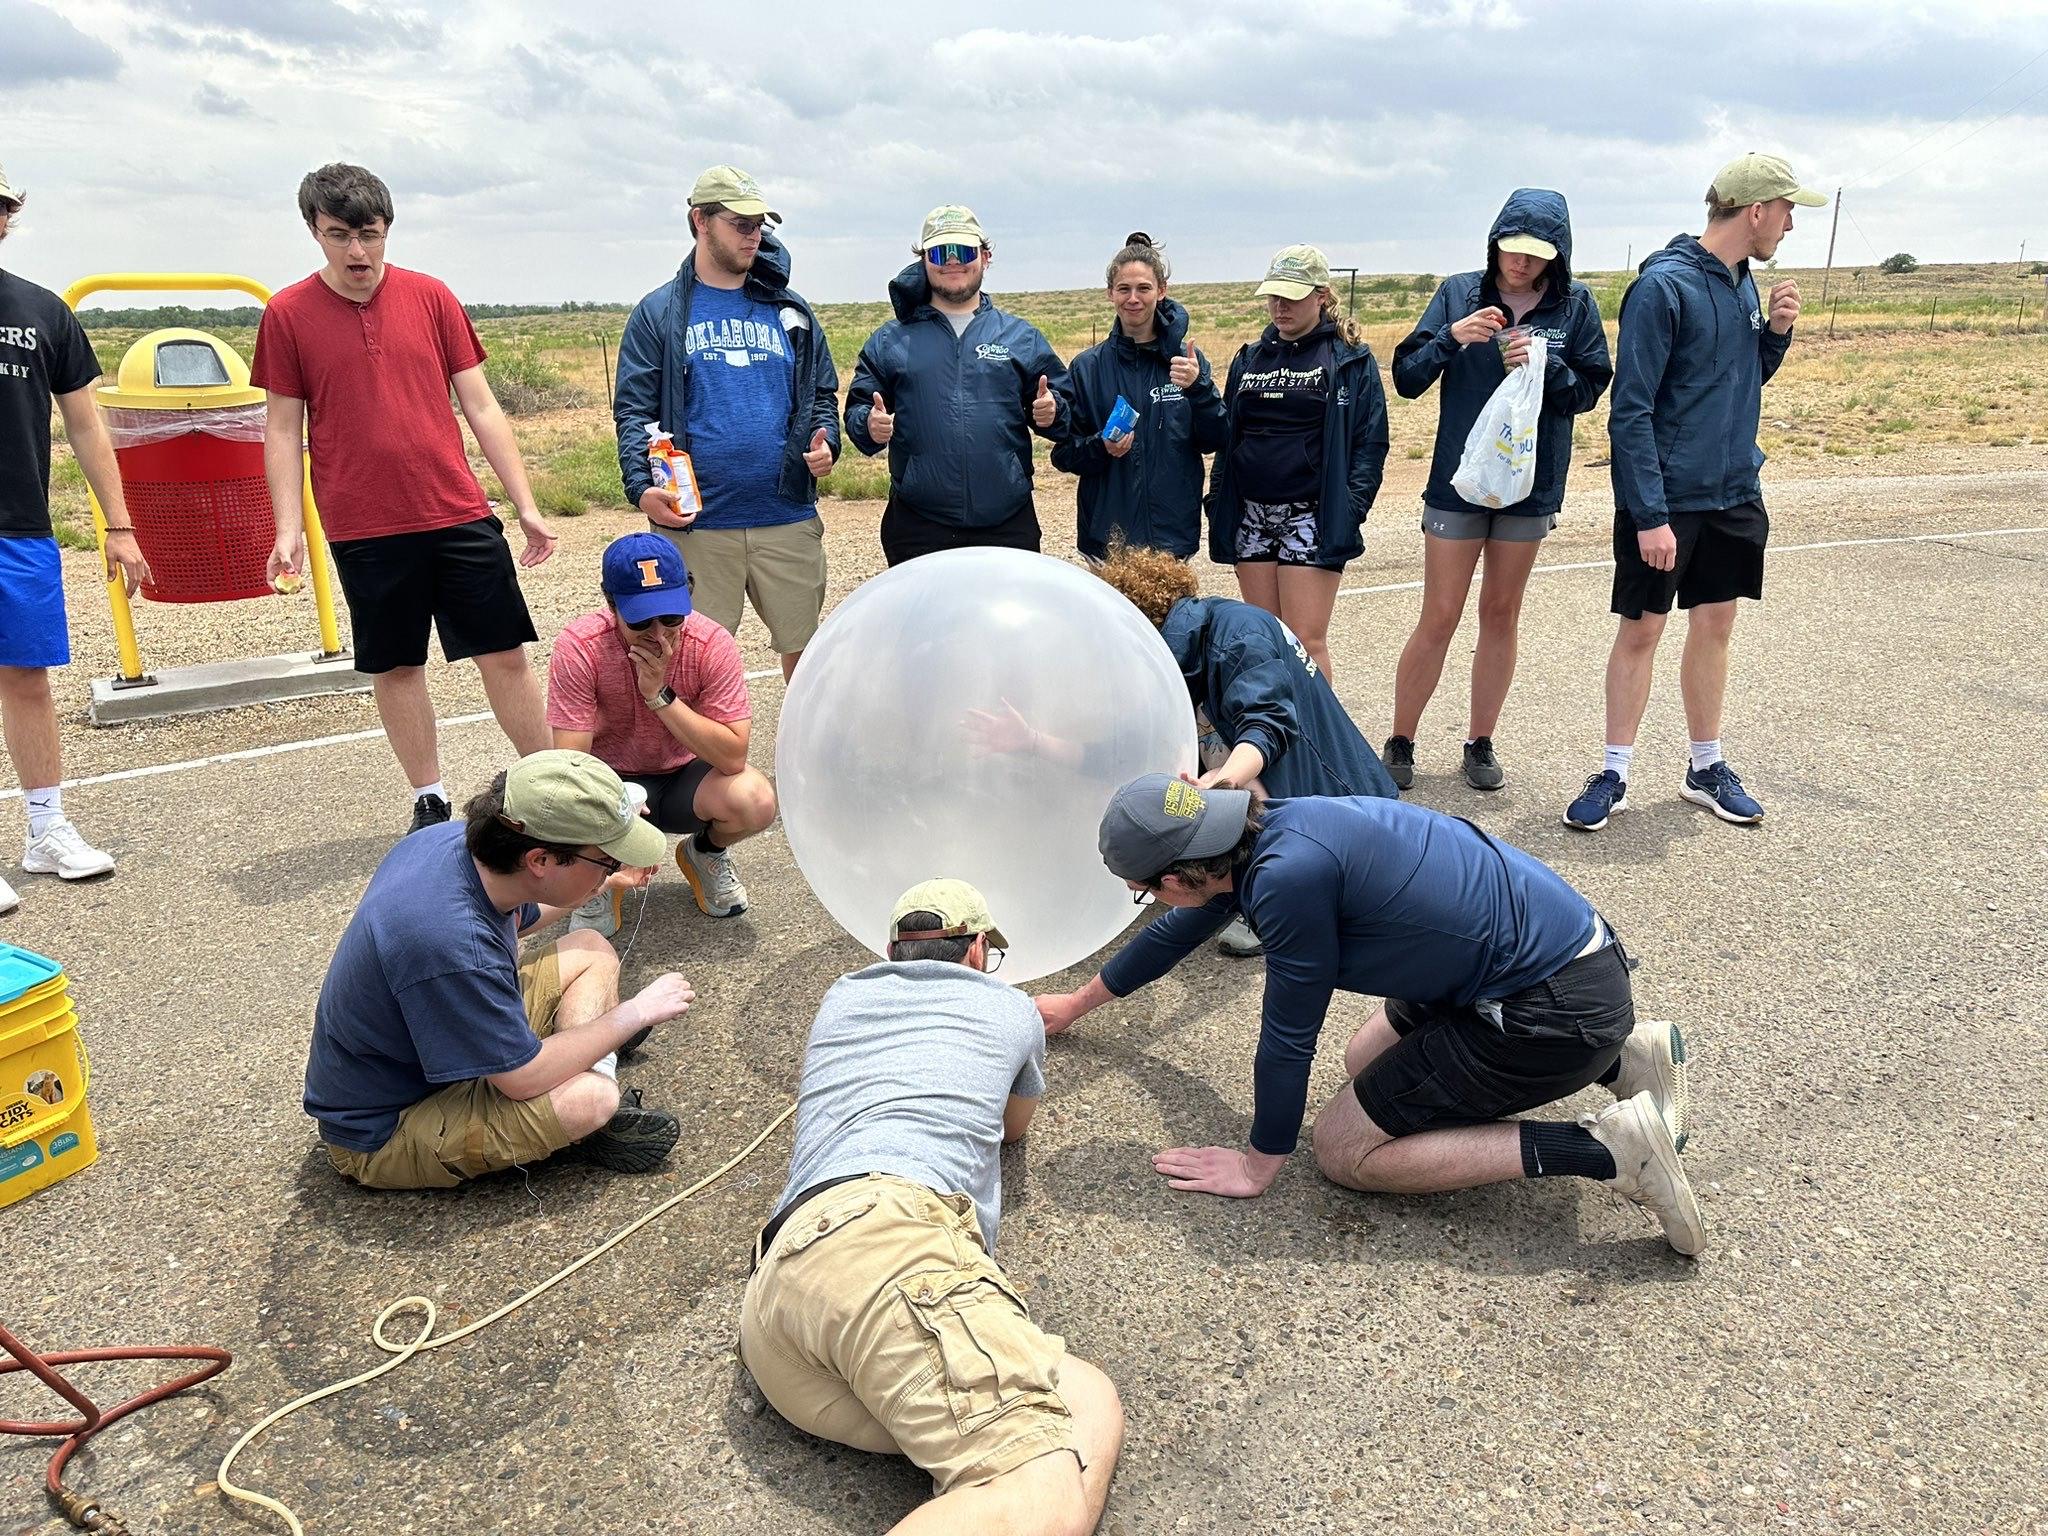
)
(1526, 284)
(954, 388)
(1504, 991)
(1146, 485)
(1289, 492)
(1696, 348)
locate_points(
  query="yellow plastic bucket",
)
(45, 1128)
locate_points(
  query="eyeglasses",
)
(603, 861)
(342, 239)
(1143, 898)
(665, 620)
(744, 226)
(953, 255)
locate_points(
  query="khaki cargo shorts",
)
(780, 570)
(469, 1128)
(876, 1319)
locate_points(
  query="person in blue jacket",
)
(954, 388)
(1289, 492)
(1504, 989)
(1526, 287)
(1144, 484)
(1696, 348)
(733, 364)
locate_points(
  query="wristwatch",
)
(661, 700)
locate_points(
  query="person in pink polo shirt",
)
(656, 691)
(359, 360)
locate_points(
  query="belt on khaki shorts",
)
(767, 1234)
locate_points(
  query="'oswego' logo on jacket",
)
(993, 352)
(1165, 392)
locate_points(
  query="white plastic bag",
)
(1498, 467)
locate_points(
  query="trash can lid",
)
(180, 369)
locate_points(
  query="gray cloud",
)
(43, 48)
(215, 102)
(312, 25)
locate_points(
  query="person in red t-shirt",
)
(358, 360)
(656, 692)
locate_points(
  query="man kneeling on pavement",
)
(1504, 991)
(876, 1315)
(438, 1055)
(657, 691)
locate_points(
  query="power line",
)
(1930, 133)
(1959, 143)
(1863, 237)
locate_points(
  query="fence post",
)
(604, 351)
(1835, 310)
(1930, 313)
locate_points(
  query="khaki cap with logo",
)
(1295, 272)
(9, 192)
(1755, 178)
(735, 191)
(559, 796)
(959, 906)
(950, 222)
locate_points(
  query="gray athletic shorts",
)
(1479, 523)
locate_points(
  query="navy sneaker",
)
(1716, 787)
(1604, 795)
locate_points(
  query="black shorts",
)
(672, 797)
(1720, 558)
(908, 533)
(460, 580)
(1455, 1066)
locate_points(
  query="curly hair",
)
(1151, 578)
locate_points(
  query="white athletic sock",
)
(1705, 753)
(608, 1067)
(1618, 758)
(45, 810)
(437, 789)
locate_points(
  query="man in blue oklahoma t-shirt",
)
(1504, 991)
(733, 364)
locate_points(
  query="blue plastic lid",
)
(21, 970)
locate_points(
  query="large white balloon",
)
(967, 715)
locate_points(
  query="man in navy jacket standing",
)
(954, 388)
(1696, 348)
(1504, 991)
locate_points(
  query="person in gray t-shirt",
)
(876, 1315)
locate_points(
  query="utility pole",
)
(2021, 269)
(1830, 268)
(1628, 262)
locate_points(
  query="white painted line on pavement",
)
(279, 749)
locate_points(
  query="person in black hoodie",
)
(1307, 448)
(1146, 484)
(1527, 283)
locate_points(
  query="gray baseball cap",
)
(1158, 820)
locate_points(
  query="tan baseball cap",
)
(958, 904)
(1755, 178)
(1528, 245)
(9, 192)
(1295, 272)
(559, 796)
(735, 191)
(950, 222)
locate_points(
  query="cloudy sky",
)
(542, 151)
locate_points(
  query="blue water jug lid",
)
(21, 970)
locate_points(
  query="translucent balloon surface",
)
(967, 715)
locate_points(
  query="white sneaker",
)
(1238, 941)
(62, 852)
(1647, 1170)
(1653, 1062)
(600, 914)
(8, 900)
(713, 880)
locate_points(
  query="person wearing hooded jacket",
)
(732, 362)
(1696, 348)
(1145, 486)
(1307, 448)
(1527, 283)
(953, 387)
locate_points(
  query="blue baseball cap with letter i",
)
(645, 578)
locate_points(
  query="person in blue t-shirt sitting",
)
(437, 1055)
(1504, 991)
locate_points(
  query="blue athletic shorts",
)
(32, 628)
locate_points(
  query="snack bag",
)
(1123, 416)
(672, 470)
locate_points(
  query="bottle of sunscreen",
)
(672, 470)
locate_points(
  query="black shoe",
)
(1482, 768)
(427, 811)
(1399, 756)
(635, 1140)
(632, 1047)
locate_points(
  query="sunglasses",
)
(605, 862)
(666, 621)
(952, 255)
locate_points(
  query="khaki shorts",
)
(469, 1128)
(780, 570)
(877, 1319)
